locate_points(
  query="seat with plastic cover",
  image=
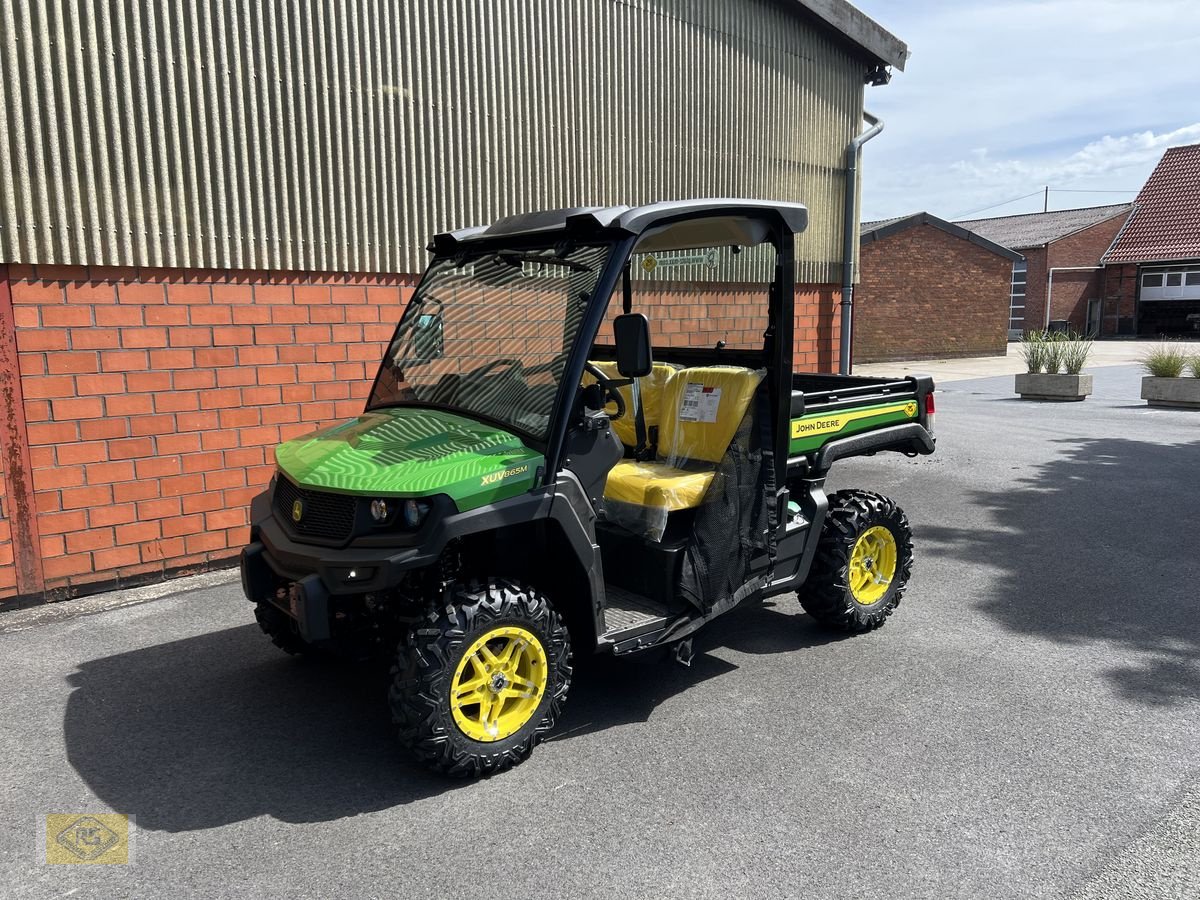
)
(651, 389)
(700, 414)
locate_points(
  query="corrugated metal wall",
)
(338, 135)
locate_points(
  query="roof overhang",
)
(675, 225)
(856, 27)
(1156, 261)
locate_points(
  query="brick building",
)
(1152, 274)
(929, 289)
(209, 223)
(1062, 251)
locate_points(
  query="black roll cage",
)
(624, 228)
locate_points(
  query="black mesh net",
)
(736, 518)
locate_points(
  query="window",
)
(695, 298)
(1174, 283)
(486, 334)
(1016, 299)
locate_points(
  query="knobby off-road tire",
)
(280, 628)
(862, 564)
(447, 724)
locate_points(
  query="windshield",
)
(489, 334)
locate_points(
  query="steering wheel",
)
(611, 394)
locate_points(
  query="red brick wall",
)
(817, 331)
(684, 314)
(139, 408)
(153, 399)
(1035, 287)
(699, 315)
(1120, 299)
(925, 294)
(1072, 290)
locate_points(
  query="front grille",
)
(326, 516)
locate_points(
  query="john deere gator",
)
(555, 461)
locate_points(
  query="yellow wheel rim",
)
(499, 684)
(872, 565)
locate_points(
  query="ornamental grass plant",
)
(1055, 345)
(1076, 350)
(1033, 349)
(1167, 360)
(1055, 351)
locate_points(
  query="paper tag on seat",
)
(700, 403)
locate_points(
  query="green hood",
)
(412, 452)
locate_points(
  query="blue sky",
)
(999, 99)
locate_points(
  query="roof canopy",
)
(674, 225)
(1165, 224)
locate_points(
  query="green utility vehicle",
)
(536, 477)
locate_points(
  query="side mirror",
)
(631, 333)
(428, 339)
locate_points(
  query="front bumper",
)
(341, 570)
(305, 600)
(274, 558)
(306, 581)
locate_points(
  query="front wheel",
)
(482, 680)
(862, 564)
(281, 629)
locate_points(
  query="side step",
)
(632, 620)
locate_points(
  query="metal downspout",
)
(849, 231)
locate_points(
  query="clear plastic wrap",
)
(651, 388)
(702, 411)
(735, 519)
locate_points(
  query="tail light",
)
(930, 409)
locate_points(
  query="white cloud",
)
(1131, 150)
(1112, 160)
(1000, 98)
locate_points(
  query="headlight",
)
(414, 513)
(380, 511)
(408, 514)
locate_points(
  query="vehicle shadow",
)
(221, 727)
(608, 691)
(1099, 545)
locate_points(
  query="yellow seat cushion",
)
(656, 485)
(702, 409)
(651, 387)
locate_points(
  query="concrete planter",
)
(1038, 386)
(1183, 393)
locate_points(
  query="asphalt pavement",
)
(1026, 725)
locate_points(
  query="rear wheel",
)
(862, 565)
(482, 680)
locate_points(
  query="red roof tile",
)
(1165, 224)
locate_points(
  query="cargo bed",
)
(835, 416)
